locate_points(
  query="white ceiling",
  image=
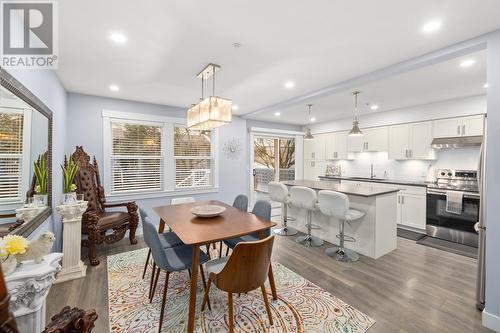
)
(443, 81)
(315, 44)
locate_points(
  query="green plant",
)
(41, 174)
(69, 168)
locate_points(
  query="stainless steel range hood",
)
(457, 142)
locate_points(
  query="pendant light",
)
(355, 131)
(309, 135)
(212, 111)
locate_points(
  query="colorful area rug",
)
(301, 306)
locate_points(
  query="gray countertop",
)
(363, 191)
(382, 181)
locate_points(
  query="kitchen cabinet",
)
(308, 149)
(411, 141)
(412, 210)
(319, 146)
(336, 146)
(462, 126)
(373, 139)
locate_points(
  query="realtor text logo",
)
(29, 34)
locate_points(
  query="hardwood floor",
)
(413, 289)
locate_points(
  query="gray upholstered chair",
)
(262, 209)
(240, 202)
(172, 259)
(168, 239)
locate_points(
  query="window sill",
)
(152, 195)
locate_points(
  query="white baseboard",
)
(491, 321)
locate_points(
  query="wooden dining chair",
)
(245, 270)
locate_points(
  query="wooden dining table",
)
(196, 231)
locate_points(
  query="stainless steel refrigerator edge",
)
(481, 227)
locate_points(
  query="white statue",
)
(38, 248)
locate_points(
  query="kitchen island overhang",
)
(375, 233)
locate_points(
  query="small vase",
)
(40, 200)
(9, 265)
(69, 198)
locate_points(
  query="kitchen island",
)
(375, 233)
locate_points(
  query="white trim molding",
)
(162, 194)
(274, 132)
(491, 321)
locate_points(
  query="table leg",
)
(192, 292)
(270, 275)
(161, 228)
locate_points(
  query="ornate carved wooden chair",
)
(96, 220)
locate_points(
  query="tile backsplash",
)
(414, 170)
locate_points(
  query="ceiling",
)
(169, 42)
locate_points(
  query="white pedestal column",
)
(28, 287)
(72, 266)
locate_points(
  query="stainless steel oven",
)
(457, 228)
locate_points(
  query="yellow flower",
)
(14, 244)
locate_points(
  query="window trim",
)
(168, 176)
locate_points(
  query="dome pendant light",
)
(355, 131)
(309, 135)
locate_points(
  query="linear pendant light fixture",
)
(309, 135)
(210, 112)
(355, 131)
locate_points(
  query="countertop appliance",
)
(453, 226)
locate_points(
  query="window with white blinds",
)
(11, 156)
(136, 157)
(193, 158)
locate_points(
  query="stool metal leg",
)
(339, 252)
(285, 230)
(309, 240)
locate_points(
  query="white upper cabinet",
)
(376, 139)
(319, 146)
(453, 127)
(336, 146)
(411, 141)
(308, 149)
(355, 143)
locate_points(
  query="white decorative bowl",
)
(208, 210)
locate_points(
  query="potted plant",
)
(70, 167)
(41, 174)
(11, 245)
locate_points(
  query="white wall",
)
(85, 128)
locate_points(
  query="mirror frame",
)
(17, 88)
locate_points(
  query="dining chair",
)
(240, 202)
(245, 270)
(168, 239)
(262, 209)
(172, 259)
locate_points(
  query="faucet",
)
(372, 175)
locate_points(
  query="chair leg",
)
(205, 285)
(163, 301)
(154, 285)
(227, 251)
(214, 246)
(152, 279)
(189, 272)
(205, 297)
(146, 264)
(220, 249)
(266, 302)
(92, 241)
(208, 251)
(230, 305)
(133, 223)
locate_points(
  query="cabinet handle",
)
(367, 145)
(402, 200)
(458, 129)
(411, 153)
(406, 153)
(336, 154)
(399, 199)
(313, 155)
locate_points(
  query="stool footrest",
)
(347, 238)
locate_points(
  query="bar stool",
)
(335, 204)
(305, 198)
(279, 192)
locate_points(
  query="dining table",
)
(198, 231)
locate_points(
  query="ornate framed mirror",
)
(25, 158)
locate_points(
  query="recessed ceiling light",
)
(114, 87)
(235, 107)
(289, 84)
(432, 26)
(485, 85)
(277, 114)
(313, 119)
(118, 38)
(467, 63)
(374, 107)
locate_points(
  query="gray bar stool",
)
(279, 192)
(335, 204)
(305, 198)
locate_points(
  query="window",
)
(193, 158)
(149, 155)
(136, 159)
(11, 156)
